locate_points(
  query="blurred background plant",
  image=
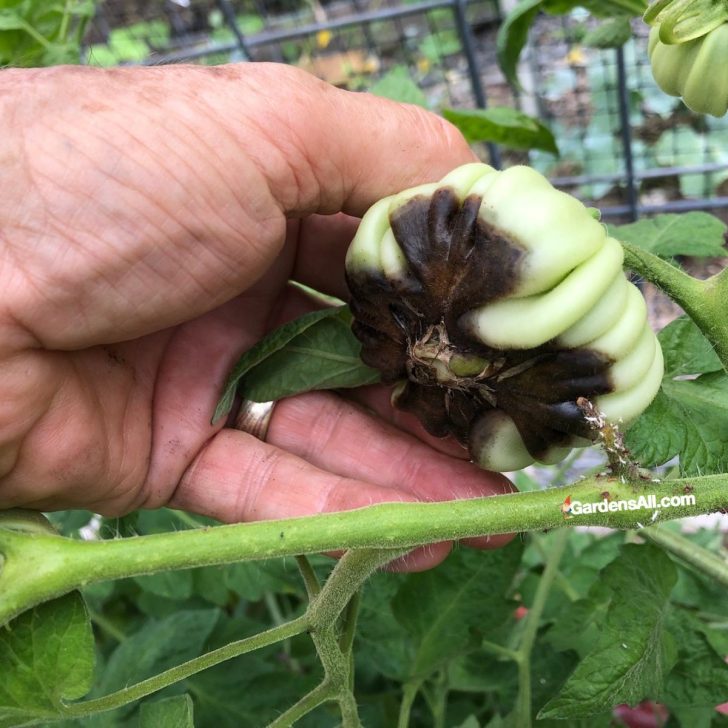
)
(36, 33)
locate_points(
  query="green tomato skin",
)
(696, 70)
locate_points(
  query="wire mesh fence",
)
(624, 145)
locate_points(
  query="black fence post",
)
(229, 14)
(466, 40)
(626, 134)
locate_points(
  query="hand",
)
(153, 220)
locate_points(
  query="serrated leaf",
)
(439, 608)
(397, 84)
(612, 33)
(324, 356)
(273, 343)
(502, 125)
(634, 651)
(700, 676)
(512, 37)
(697, 234)
(176, 712)
(688, 418)
(46, 658)
(157, 646)
(686, 350)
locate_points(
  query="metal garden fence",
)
(624, 145)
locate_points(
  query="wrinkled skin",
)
(153, 219)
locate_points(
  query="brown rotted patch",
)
(457, 262)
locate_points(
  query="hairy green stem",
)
(530, 629)
(689, 552)
(496, 649)
(325, 608)
(351, 571)
(185, 670)
(107, 626)
(409, 693)
(703, 301)
(39, 566)
(321, 694)
(310, 580)
(348, 623)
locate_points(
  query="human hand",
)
(154, 220)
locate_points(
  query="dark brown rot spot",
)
(409, 330)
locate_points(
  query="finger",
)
(239, 478)
(169, 197)
(339, 437)
(322, 242)
(378, 399)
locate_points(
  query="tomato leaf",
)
(316, 351)
(634, 651)
(686, 350)
(700, 676)
(324, 356)
(176, 712)
(698, 234)
(503, 125)
(437, 608)
(512, 37)
(688, 417)
(47, 657)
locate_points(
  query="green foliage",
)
(513, 33)
(176, 712)
(634, 651)
(503, 125)
(316, 351)
(397, 84)
(47, 657)
(42, 33)
(698, 234)
(689, 416)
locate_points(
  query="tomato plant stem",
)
(38, 566)
(409, 693)
(185, 670)
(688, 551)
(532, 620)
(703, 301)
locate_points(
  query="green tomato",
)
(494, 302)
(696, 70)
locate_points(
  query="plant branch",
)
(691, 553)
(323, 693)
(310, 580)
(409, 693)
(703, 301)
(38, 566)
(530, 629)
(185, 670)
